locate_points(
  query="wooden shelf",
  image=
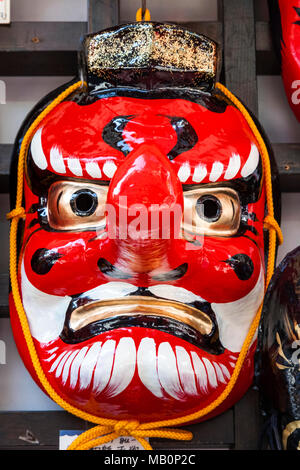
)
(45, 426)
(48, 48)
(41, 36)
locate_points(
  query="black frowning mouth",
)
(194, 322)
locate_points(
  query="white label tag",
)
(4, 11)
(120, 443)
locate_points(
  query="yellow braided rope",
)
(147, 15)
(109, 429)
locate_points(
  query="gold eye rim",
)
(63, 215)
(227, 221)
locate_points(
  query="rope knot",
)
(125, 428)
(17, 213)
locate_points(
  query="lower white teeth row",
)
(109, 367)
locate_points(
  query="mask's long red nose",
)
(147, 199)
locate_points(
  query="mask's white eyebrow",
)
(71, 164)
(220, 170)
(251, 163)
(37, 151)
(233, 167)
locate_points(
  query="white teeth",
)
(124, 367)
(232, 364)
(52, 350)
(219, 373)
(56, 160)
(61, 364)
(233, 166)
(179, 294)
(211, 373)
(57, 361)
(67, 365)
(225, 370)
(111, 368)
(92, 168)
(37, 152)
(147, 369)
(200, 372)
(104, 366)
(184, 172)
(75, 366)
(186, 372)
(50, 358)
(251, 163)
(167, 371)
(87, 366)
(216, 171)
(75, 166)
(199, 173)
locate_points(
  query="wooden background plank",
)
(5, 158)
(288, 161)
(247, 421)
(38, 63)
(240, 78)
(45, 426)
(4, 283)
(212, 29)
(48, 48)
(103, 14)
(263, 36)
(239, 51)
(41, 36)
(216, 432)
(65, 36)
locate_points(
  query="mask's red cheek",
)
(222, 270)
(64, 263)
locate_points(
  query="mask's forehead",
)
(91, 141)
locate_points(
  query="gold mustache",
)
(139, 305)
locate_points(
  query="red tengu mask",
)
(141, 263)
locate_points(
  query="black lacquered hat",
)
(150, 55)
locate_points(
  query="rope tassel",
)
(108, 429)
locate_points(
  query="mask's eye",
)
(211, 211)
(209, 208)
(76, 205)
(84, 202)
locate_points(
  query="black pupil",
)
(209, 208)
(84, 202)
